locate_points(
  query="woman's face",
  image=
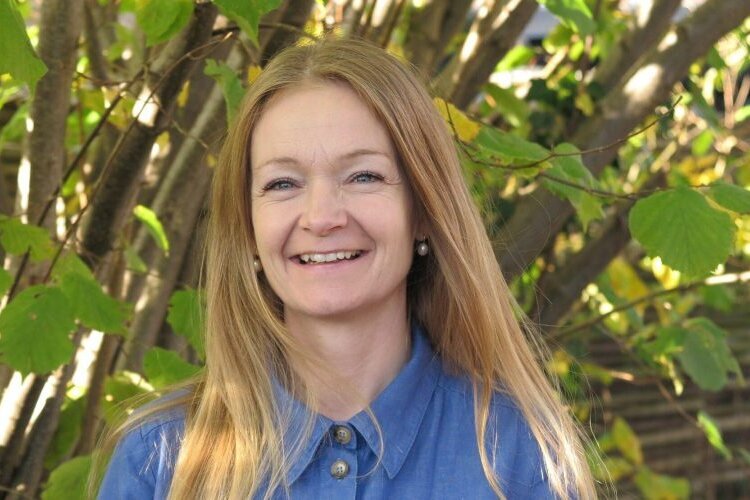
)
(331, 211)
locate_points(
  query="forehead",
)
(317, 120)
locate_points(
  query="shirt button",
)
(339, 469)
(342, 434)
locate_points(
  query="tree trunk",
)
(113, 200)
(431, 28)
(177, 205)
(487, 43)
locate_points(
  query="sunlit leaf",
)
(514, 110)
(122, 393)
(67, 432)
(660, 487)
(703, 142)
(247, 14)
(742, 114)
(713, 434)
(153, 226)
(69, 480)
(185, 317)
(627, 442)
(706, 356)
(569, 179)
(17, 56)
(17, 238)
(92, 306)
(161, 19)
(730, 196)
(510, 150)
(231, 85)
(613, 469)
(682, 228)
(464, 127)
(163, 367)
(134, 261)
(35, 328)
(573, 13)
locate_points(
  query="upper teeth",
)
(327, 257)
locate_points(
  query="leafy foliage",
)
(231, 85)
(154, 226)
(161, 19)
(682, 228)
(247, 14)
(186, 319)
(17, 238)
(69, 480)
(164, 368)
(35, 329)
(17, 56)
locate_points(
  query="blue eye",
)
(280, 184)
(366, 177)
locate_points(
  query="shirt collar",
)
(399, 411)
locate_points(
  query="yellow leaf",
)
(253, 72)
(627, 442)
(626, 283)
(464, 127)
(183, 96)
(585, 104)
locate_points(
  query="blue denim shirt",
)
(429, 446)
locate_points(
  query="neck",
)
(353, 358)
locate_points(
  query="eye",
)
(365, 177)
(283, 184)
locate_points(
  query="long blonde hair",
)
(233, 444)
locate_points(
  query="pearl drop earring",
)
(422, 248)
(257, 265)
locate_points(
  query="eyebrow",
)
(288, 160)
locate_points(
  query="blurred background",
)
(606, 142)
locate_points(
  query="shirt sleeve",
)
(129, 475)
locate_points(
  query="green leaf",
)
(35, 328)
(231, 86)
(571, 169)
(519, 55)
(703, 142)
(69, 480)
(92, 306)
(660, 487)
(682, 228)
(511, 150)
(67, 432)
(6, 280)
(161, 19)
(572, 13)
(627, 442)
(17, 56)
(247, 14)
(164, 368)
(742, 114)
(719, 297)
(134, 261)
(185, 317)
(123, 391)
(17, 238)
(153, 225)
(613, 469)
(744, 454)
(706, 356)
(731, 197)
(713, 434)
(514, 110)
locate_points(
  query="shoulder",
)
(511, 446)
(144, 458)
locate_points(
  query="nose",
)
(324, 209)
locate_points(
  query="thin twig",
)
(712, 281)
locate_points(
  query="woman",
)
(361, 341)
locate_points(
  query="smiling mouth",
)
(324, 258)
